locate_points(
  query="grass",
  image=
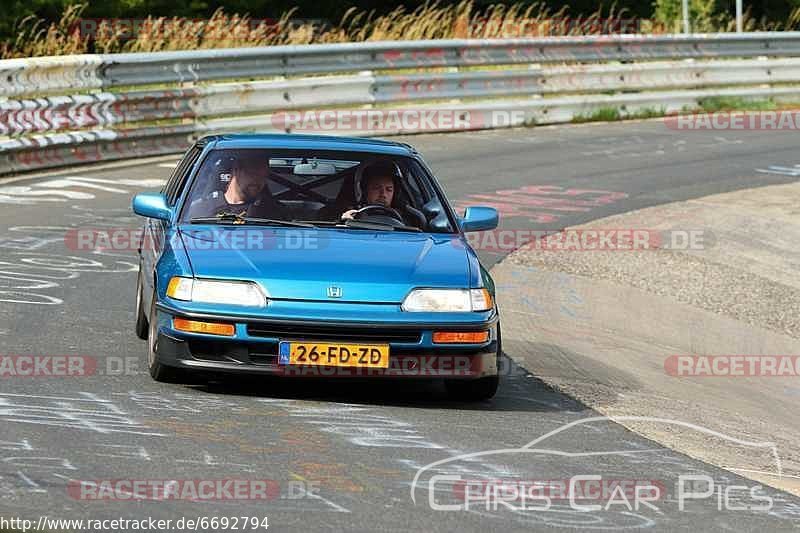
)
(603, 114)
(707, 105)
(727, 103)
(36, 37)
(222, 30)
(612, 114)
(648, 112)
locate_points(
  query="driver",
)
(379, 190)
(378, 187)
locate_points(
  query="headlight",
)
(217, 292)
(447, 300)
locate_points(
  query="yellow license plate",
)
(334, 354)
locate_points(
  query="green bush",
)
(704, 15)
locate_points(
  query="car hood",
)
(302, 264)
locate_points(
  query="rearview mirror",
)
(314, 169)
(479, 219)
(152, 205)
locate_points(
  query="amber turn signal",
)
(460, 337)
(210, 328)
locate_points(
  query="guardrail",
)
(66, 110)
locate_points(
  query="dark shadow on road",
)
(519, 391)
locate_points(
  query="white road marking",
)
(62, 188)
(316, 496)
(34, 487)
(77, 181)
(783, 171)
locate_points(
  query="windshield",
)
(324, 188)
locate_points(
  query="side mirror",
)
(152, 205)
(479, 219)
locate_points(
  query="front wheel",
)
(159, 372)
(142, 326)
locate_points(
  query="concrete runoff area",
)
(602, 326)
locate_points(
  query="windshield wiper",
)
(239, 219)
(360, 224)
(379, 226)
(320, 222)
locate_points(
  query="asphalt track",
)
(345, 457)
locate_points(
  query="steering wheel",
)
(380, 213)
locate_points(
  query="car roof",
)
(319, 142)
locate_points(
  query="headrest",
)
(226, 164)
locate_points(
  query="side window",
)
(432, 206)
(412, 184)
(170, 185)
(418, 182)
(175, 184)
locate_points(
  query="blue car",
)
(296, 255)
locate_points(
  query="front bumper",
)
(254, 347)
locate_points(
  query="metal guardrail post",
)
(685, 15)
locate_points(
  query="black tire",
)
(159, 372)
(477, 390)
(142, 324)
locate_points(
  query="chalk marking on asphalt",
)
(365, 429)
(64, 413)
(78, 181)
(537, 517)
(15, 446)
(37, 267)
(314, 495)
(208, 460)
(40, 462)
(25, 191)
(31, 483)
(6, 199)
(33, 283)
(137, 452)
(138, 162)
(782, 171)
(43, 191)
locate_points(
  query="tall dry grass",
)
(36, 38)
(429, 21)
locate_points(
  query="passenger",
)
(247, 193)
